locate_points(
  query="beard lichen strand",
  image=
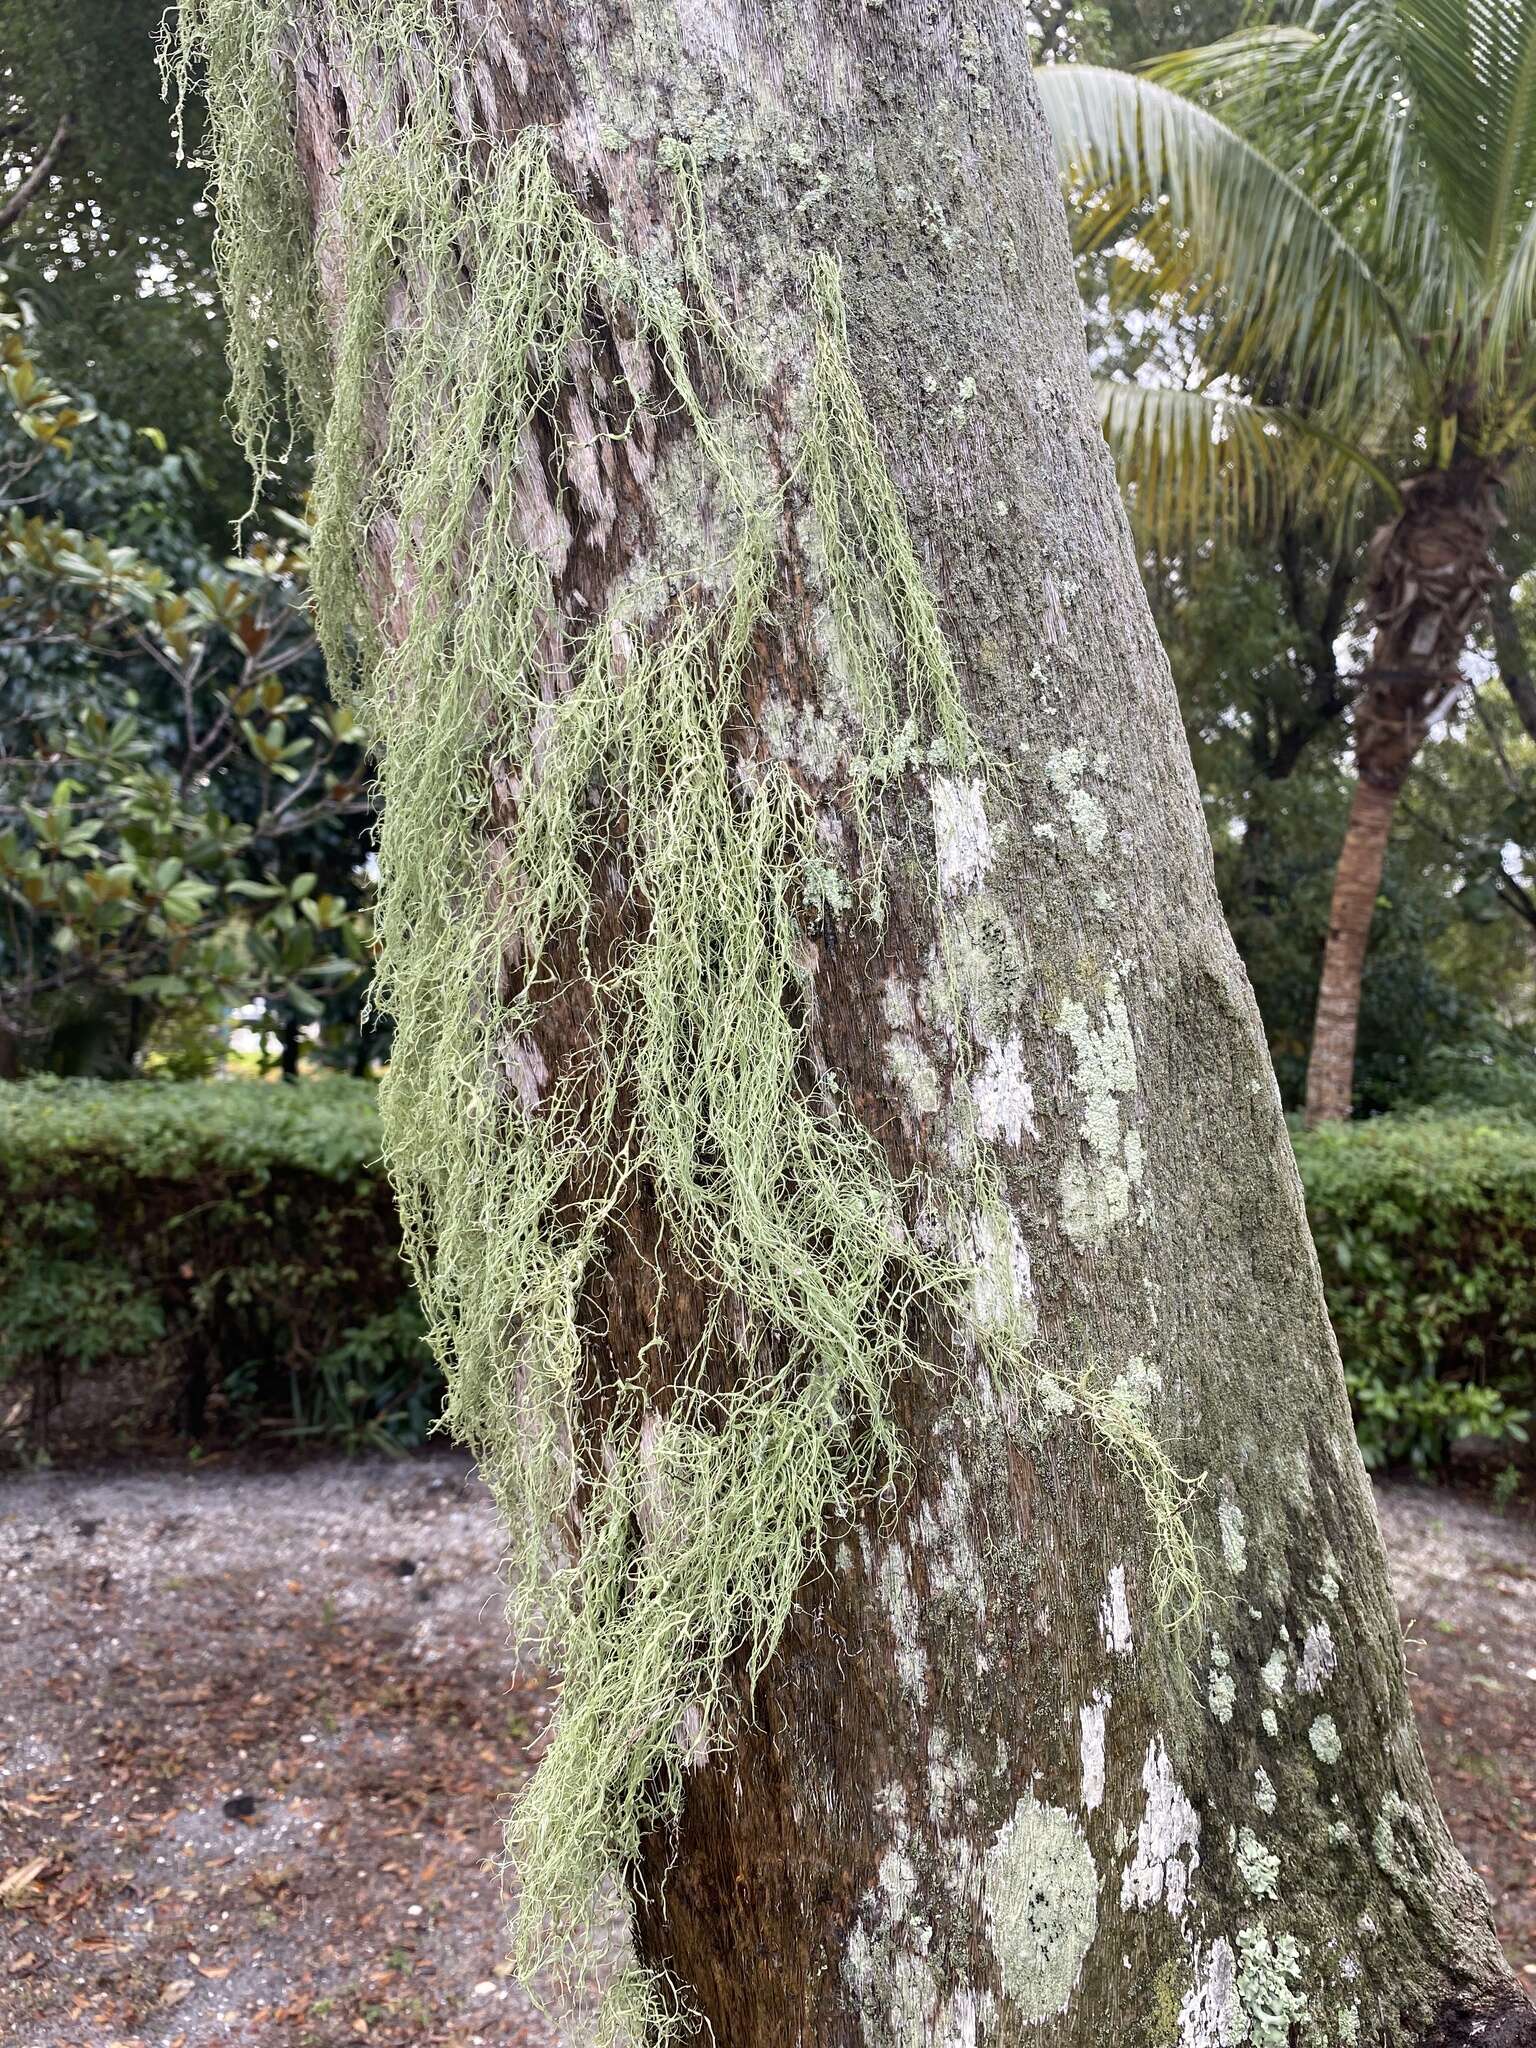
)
(470, 277)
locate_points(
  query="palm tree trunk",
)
(1356, 885)
(1430, 571)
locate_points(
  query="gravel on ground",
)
(257, 1728)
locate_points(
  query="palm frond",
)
(1333, 113)
(1512, 312)
(1292, 296)
(1463, 73)
(1195, 464)
(1502, 44)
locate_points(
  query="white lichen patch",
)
(1258, 1867)
(524, 1066)
(897, 1876)
(1090, 821)
(1391, 1842)
(1002, 1294)
(1098, 1180)
(1167, 1840)
(1208, 2017)
(1040, 1892)
(1091, 1725)
(1318, 1659)
(1005, 1102)
(1234, 1537)
(1220, 1688)
(693, 1737)
(1273, 1676)
(915, 1076)
(1269, 1721)
(1133, 1390)
(1324, 1738)
(900, 1603)
(944, 1529)
(1263, 1790)
(1115, 1614)
(961, 835)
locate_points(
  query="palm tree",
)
(1344, 216)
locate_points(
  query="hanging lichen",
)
(665, 1507)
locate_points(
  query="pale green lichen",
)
(1269, 1990)
(1258, 1867)
(1324, 1738)
(1264, 1791)
(1040, 1894)
(1398, 1838)
(1221, 1689)
(1064, 771)
(1234, 1540)
(1098, 1180)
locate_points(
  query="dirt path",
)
(1465, 1580)
(256, 1728)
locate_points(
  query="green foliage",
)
(1426, 1230)
(1276, 886)
(1481, 1077)
(208, 1259)
(231, 1244)
(1342, 213)
(1252, 637)
(114, 251)
(171, 790)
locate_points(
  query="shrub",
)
(219, 1259)
(201, 1259)
(1426, 1230)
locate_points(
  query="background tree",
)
(180, 811)
(1350, 204)
(831, 1122)
(1263, 694)
(113, 246)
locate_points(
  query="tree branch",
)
(19, 200)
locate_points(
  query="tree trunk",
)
(873, 1205)
(1356, 885)
(290, 1041)
(1430, 572)
(1509, 650)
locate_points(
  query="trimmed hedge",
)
(219, 1259)
(205, 1260)
(1425, 1227)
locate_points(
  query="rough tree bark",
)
(982, 1793)
(1430, 572)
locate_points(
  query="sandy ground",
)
(256, 1728)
